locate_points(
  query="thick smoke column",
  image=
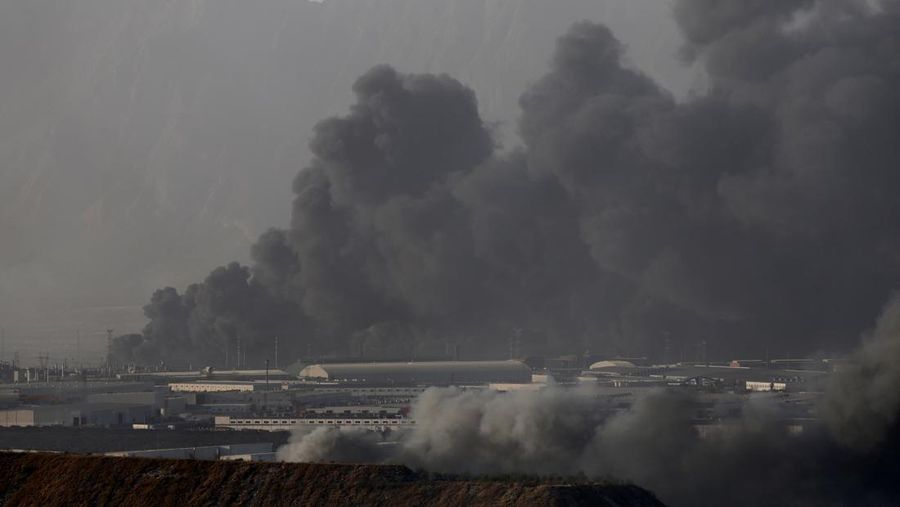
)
(852, 459)
(756, 215)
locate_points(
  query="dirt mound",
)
(59, 479)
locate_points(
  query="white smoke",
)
(549, 432)
(851, 458)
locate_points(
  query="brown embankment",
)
(60, 479)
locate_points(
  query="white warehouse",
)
(424, 373)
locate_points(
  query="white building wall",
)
(766, 386)
(198, 387)
(20, 417)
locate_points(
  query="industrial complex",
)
(374, 396)
(432, 373)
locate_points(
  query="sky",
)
(142, 143)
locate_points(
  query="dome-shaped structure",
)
(612, 364)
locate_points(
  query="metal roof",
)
(431, 372)
(602, 365)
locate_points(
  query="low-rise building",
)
(423, 373)
(154, 398)
(274, 423)
(215, 386)
(208, 453)
(87, 414)
(765, 386)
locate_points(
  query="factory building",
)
(310, 423)
(244, 452)
(206, 374)
(427, 373)
(50, 415)
(227, 408)
(733, 375)
(155, 398)
(216, 386)
(94, 414)
(377, 411)
(616, 366)
(765, 386)
(369, 391)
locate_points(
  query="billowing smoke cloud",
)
(654, 444)
(338, 445)
(756, 215)
(229, 319)
(863, 405)
(852, 458)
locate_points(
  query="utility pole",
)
(514, 340)
(109, 333)
(266, 395)
(2, 343)
(44, 361)
(276, 352)
(78, 349)
(666, 349)
(666, 359)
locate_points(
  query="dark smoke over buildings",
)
(758, 214)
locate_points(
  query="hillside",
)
(47, 480)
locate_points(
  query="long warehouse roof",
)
(431, 372)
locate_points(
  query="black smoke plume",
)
(758, 214)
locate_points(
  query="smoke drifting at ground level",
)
(851, 458)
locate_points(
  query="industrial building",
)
(408, 392)
(156, 398)
(206, 374)
(227, 408)
(616, 366)
(216, 386)
(765, 386)
(310, 423)
(244, 452)
(423, 373)
(94, 414)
